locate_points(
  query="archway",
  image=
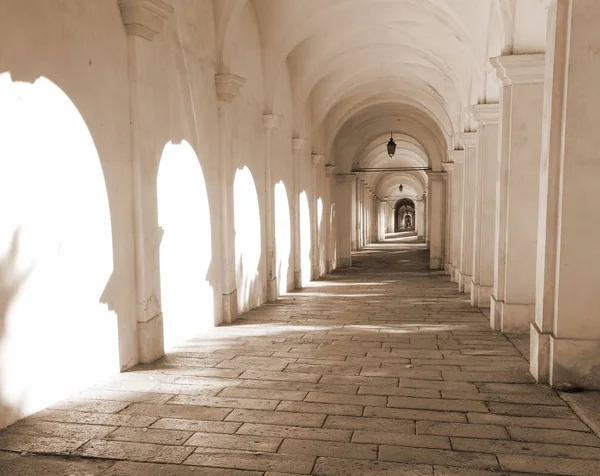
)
(283, 237)
(404, 215)
(248, 239)
(186, 248)
(56, 256)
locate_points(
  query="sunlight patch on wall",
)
(186, 248)
(283, 238)
(247, 239)
(56, 257)
(305, 239)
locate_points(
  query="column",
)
(469, 142)
(298, 148)
(458, 159)
(482, 282)
(515, 247)
(449, 237)
(436, 195)
(344, 198)
(565, 336)
(271, 123)
(316, 160)
(426, 218)
(143, 21)
(228, 88)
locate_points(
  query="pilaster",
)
(458, 159)
(488, 118)
(228, 87)
(345, 199)
(521, 106)
(299, 148)
(565, 336)
(436, 193)
(271, 123)
(469, 142)
(143, 20)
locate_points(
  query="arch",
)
(56, 251)
(305, 239)
(185, 248)
(283, 236)
(248, 239)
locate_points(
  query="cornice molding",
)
(437, 175)
(457, 156)
(228, 86)
(145, 18)
(520, 69)
(272, 122)
(448, 167)
(486, 114)
(298, 145)
(316, 159)
(345, 178)
(330, 169)
(469, 139)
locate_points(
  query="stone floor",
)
(380, 369)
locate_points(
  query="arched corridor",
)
(195, 191)
(381, 368)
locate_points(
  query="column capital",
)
(520, 69)
(436, 175)
(457, 156)
(468, 139)
(298, 145)
(486, 114)
(330, 169)
(345, 178)
(144, 18)
(448, 167)
(272, 122)
(316, 159)
(228, 86)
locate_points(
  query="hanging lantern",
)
(401, 187)
(391, 146)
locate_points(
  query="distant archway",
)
(404, 215)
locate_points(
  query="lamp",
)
(401, 187)
(391, 146)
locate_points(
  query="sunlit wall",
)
(56, 334)
(283, 237)
(247, 239)
(185, 249)
(305, 239)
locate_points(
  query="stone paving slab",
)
(406, 378)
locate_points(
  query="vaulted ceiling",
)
(368, 67)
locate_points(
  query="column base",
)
(448, 268)
(511, 318)
(466, 283)
(316, 272)
(575, 362)
(272, 290)
(298, 279)
(480, 295)
(435, 263)
(230, 307)
(539, 354)
(458, 279)
(345, 262)
(151, 343)
(329, 267)
(354, 246)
